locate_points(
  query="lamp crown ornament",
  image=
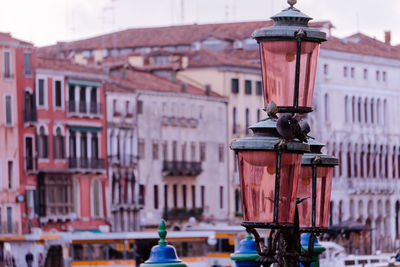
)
(292, 3)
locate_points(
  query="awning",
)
(84, 129)
(83, 83)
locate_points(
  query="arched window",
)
(378, 112)
(96, 199)
(359, 109)
(247, 120)
(353, 109)
(368, 173)
(355, 163)
(43, 143)
(58, 144)
(340, 211)
(234, 120)
(385, 114)
(76, 197)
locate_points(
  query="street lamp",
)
(270, 165)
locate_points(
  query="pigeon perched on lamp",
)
(289, 128)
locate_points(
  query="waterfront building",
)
(70, 146)
(17, 59)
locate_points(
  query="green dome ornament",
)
(163, 255)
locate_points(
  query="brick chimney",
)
(387, 37)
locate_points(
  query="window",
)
(184, 151)
(258, 115)
(175, 195)
(129, 112)
(203, 196)
(57, 94)
(140, 107)
(165, 150)
(247, 87)
(8, 106)
(234, 130)
(365, 74)
(10, 172)
(166, 197)
(352, 72)
(76, 197)
(156, 197)
(221, 153)
(235, 86)
(221, 197)
(7, 64)
(96, 198)
(384, 76)
(43, 143)
(115, 108)
(378, 75)
(184, 196)
(193, 151)
(174, 150)
(9, 220)
(202, 151)
(247, 121)
(155, 150)
(344, 71)
(58, 145)
(41, 93)
(142, 193)
(141, 149)
(326, 69)
(28, 69)
(193, 196)
(258, 88)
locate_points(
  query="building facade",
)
(70, 146)
(122, 157)
(361, 76)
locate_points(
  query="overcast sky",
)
(44, 22)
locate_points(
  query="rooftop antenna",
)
(182, 11)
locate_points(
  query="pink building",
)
(65, 155)
(16, 74)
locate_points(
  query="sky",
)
(45, 22)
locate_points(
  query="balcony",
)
(183, 214)
(179, 121)
(9, 228)
(84, 108)
(123, 160)
(30, 164)
(181, 168)
(85, 163)
(30, 116)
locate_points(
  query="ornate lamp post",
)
(270, 160)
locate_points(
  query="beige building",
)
(181, 147)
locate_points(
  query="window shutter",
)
(55, 155)
(45, 148)
(36, 202)
(62, 147)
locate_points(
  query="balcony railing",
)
(30, 116)
(181, 168)
(31, 164)
(183, 214)
(9, 227)
(85, 108)
(123, 160)
(85, 163)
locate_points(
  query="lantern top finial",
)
(292, 3)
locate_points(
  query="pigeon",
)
(289, 128)
(272, 109)
(305, 127)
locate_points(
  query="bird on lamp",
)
(271, 110)
(289, 128)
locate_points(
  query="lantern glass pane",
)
(278, 59)
(324, 186)
(257, 179)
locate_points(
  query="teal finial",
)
(249, 237)
(162, 233)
